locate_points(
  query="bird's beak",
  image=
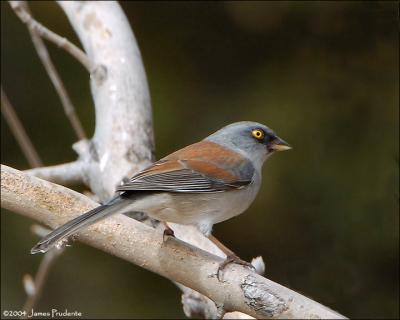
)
(278, 144)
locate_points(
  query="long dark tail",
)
(84, 220)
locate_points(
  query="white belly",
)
(201, 209)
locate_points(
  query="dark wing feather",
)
(180, 180)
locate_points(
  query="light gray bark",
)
(240, 290)
(123, 141)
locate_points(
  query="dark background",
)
(323, 75)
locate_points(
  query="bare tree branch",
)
(36, 285)
(34, 160)
(241, 289)
(44, 56)
(198, 306)
(32, 24)
(19, 132)
(123, 141)
(66, 174)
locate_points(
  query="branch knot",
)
(261, 299)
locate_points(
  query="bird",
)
(202, 184)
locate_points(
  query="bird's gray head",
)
(254, 140)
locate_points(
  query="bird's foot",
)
(168, 232)
(232, 259)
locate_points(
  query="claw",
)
(233, 259)
(168, 232)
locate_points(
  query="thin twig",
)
(44, 56)
(32, 24)
(34, 288)
(19, 132)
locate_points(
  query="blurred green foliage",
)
(323, 75)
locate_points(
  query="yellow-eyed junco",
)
(202, 184)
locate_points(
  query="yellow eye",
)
(258, 134)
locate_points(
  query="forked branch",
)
(32, 24)
(22, 8)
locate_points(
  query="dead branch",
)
(123, 141)
(32, 24)
(55, 78)
(19, 132)
(36, 285)
(241, 289)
